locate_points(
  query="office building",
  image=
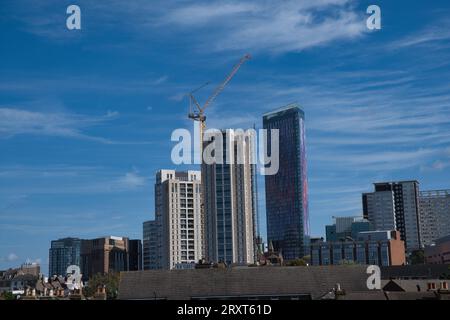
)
(347, 227)
(230, 204)
(135, 255)
(438, 252)
(287, 191)
(62, 254)
(106, 255)
(151, 245)
(434, 209)
(395, 206)
(383, 248)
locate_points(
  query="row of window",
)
(374, 254)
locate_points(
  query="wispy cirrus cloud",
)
(18, 121)
(268, 26)
(430, 36)
(200, 14)
(161, 80)
(260, 26)
(38, 83)
(65, 179)
(15, 122)
(363, 121)
(381, 160)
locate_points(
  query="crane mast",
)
(197, 112)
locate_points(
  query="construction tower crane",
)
(197, 112)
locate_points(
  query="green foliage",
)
(109, 281)
(417, 257)
(8, 296)
(445, 276)
(297, 263)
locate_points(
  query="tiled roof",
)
(424, 271)
(234, 282)
(411, 296)
(365, 295)
(25, 277)
(408, 285)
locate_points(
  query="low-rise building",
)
(18, 279)
(347, 227)
(109, 254)
(383, 248)
(438, 252)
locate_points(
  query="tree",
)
(297, 263)
(110, 281)
(347, 262)
(417, 257)
(8, 296)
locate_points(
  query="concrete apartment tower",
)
(434, 212)
(174, 239)
(230, 200)
(395, 206)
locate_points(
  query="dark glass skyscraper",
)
(135, 255)
(287, 191)
(63, 253)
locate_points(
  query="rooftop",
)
(390, 182)
(308, 282)
(284, 108)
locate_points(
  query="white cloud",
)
(132, 180)
(177, 97)
(426, 37)
(437, 165)
(271, 26)
(200, 14)
(12, 257)
(36, 260)
(66, 180)
(112, 114)
(9, 258)
(377, 160)
(18, 121)
(161, 80)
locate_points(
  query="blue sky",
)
(86, 116)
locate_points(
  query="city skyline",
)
(85, 118)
